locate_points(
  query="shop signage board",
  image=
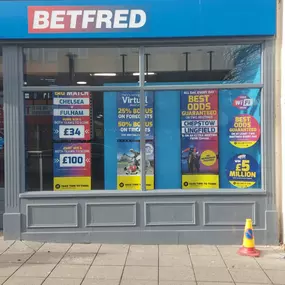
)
(71, 115)
(72, 166)
(199, 139)
(86, 19)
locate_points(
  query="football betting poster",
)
(71, 116)
(199, 139)
(128, 141)
(72, 166)
(71, 127)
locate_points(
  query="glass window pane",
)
(80, 66)
(82, 141)
(1, 125)
(203, 64)
(207, 139)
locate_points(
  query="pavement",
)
(32, 263)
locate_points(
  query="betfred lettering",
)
(68, 19)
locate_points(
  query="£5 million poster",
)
(199, 139)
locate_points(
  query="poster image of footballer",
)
(129, 165)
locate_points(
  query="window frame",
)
(266, 86)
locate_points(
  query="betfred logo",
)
(74, 19)
(243, 102)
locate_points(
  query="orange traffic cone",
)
(248, 245)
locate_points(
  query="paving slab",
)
(85, 248)
(140, 273)
(46, 257)
(206, 250)
(19, 247)
(175, 260)
(271, 263)
(138, 282)
(276, 276)
(33, 244)
(24, 281)
(4, 245)
(172, 249)
(142, 259)
(9, 257)
(147, 249)
(100, 282)
(181, 273)
(105, 272)
(2, 280)
(216, 283)
(69, 271)
(34, 270)
(211, 274)
(55, 247)
(114, 248)
(7, 269)
(228, 250)
(177, 283)
(78, 258)
(207, 261)
(62, 281)
(249, 276)
(110, 259)
(241, 262)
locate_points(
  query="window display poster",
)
(72, 166)
(128, 115)
(242, 171)
(240, 136)
(199, 139)
(71, 115)
(129, 165)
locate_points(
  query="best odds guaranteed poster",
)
(72, 166)
(199, 139)
(128, 141)
(240, 118)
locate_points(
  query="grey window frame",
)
(266, 86)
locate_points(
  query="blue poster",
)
(243, 108)
(128, 115)
(242, 171)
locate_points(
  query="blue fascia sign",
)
(87, 19)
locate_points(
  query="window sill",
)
(116, 193)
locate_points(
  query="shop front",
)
(77, 75)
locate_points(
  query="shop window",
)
(194, 138)
(203, 64)
(80, 66)
(1, 127)
(209, 139)
(82, 140)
